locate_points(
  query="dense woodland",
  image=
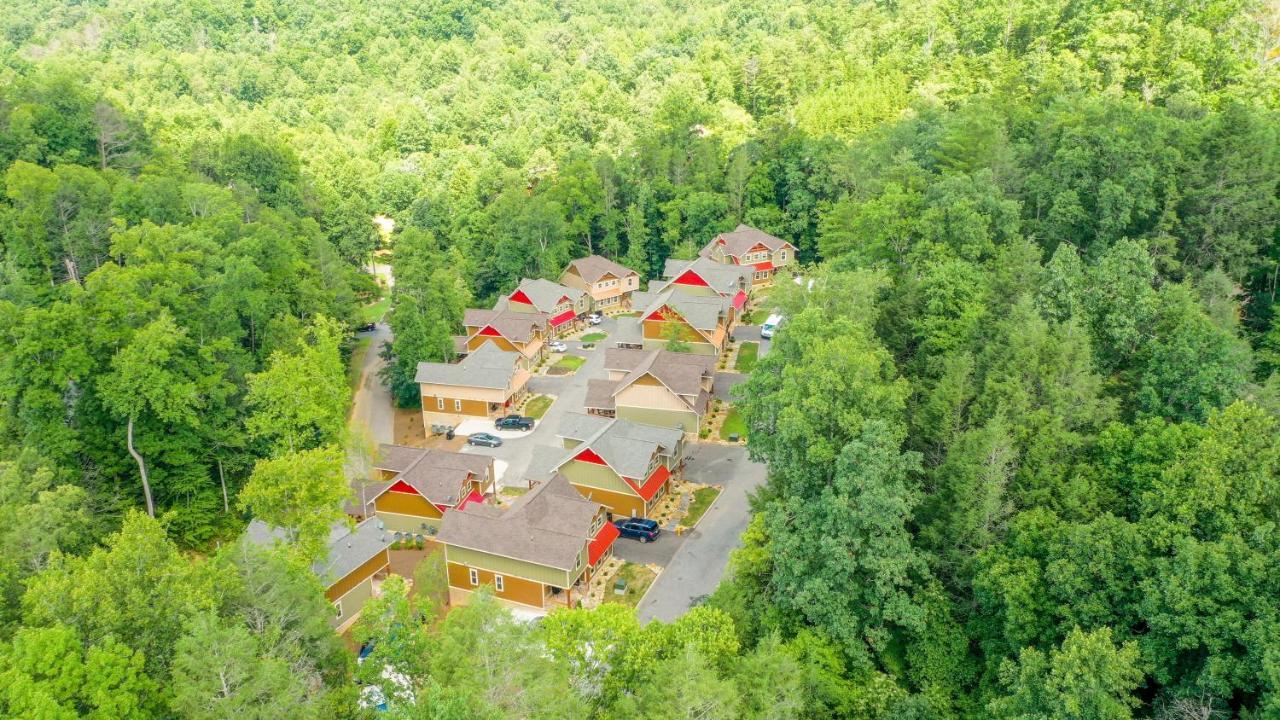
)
(1021, 429)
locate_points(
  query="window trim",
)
(457, 405)
(498, 583)
(439, 403)
(337, 604)
(474, 576)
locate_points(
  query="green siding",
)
(508, 566)
(353, 602)
(408, 523)
(661, 418)
(598, 476)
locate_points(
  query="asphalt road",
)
(701, 557)
(372, 404)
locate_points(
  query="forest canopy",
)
(1020, 427)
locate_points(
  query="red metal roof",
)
(472, 497)
(520, 297)
(562, 318)
(651, 486)
(490, 331)
(689, 277)
(763, 266)
(739, 300)
(588, 455)
(402, 487)
(601, 542)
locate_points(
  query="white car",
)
(770, 326)
(557, 346)
(595, 319)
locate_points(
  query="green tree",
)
(300, 400)
(1088, 678)
(150, 376)
(301, 492)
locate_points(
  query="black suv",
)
(514, 422)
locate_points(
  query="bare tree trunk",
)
(222, 478)
(142, 469)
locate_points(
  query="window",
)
(337, 607)
(457, 406)
(782, 254)
(475, 576)
(497, 583)
(439, 403)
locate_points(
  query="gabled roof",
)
(682, 373)
(628, 332)
(625, 446)
(702, 312)
(742, 239)
(514, 326)
(348, 549)
(593, 267)
(436, 475)
(723, 278)
(550, 525)
(543, 294)
(488, 366)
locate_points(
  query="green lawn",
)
(733, 423)
(593, 337)
(537, 407)
(513, 491)
(638, 578)
(702, 500)
(747, 355)
(757, 316)
(373, 312)
(569, 363)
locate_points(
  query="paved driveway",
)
(700, 558)
(570, 392)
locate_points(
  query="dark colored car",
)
(484, 439)
(637, 529)
(514, 422)
(367, 327)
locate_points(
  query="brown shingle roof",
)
(437, 475)
(593, 267)
(513, 325)
(600, 394)
(742, 239)
(550, 525)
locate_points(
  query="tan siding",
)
(406, 504)
(373, 565)
(462, 392)
(474, 408)
(617, 503)
(514, 589)
(649, 396)
(501, 342)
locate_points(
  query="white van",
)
(770, 325)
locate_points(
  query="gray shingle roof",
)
(743, 238)
(701, 311)
(437, 475)
(628, 330)
(580, 426)
(488, 366)
(516, 326)
(349, 548)
(627, 446)
(550, 525)
(593, 267)
(681, 372)
(723, 278)
(600, 394)
(546, 294)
